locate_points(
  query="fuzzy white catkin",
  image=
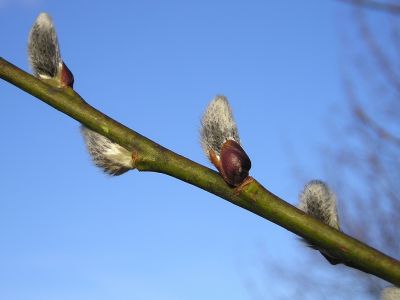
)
(390, 293)
(43, 49)
(218, 126)
(319, 201)
(107, 155)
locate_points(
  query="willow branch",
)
(391, 8)
(251, 195)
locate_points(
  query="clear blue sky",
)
(67, 231)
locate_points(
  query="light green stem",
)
(252, 196)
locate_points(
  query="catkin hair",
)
(319, 201)
(43, 49)
(112, 158)
(390, 293)
(218, 126)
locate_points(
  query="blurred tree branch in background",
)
(370, 153)
(363, 164)
(391, 8)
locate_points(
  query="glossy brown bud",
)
(234, 163)
(67, 78)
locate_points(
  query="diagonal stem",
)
(252, 196)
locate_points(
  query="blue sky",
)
(67, 231)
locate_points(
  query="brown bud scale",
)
(67, 78)
(234, 163)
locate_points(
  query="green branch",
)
(251, 195)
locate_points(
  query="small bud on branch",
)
(44, 52)
(221, 143)
(319, 201)
(111, 157)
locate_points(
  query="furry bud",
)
(221, 143)
(390, 293)
(319, 201)
(44, 52)
(112, 158)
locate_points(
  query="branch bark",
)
(252, 196)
